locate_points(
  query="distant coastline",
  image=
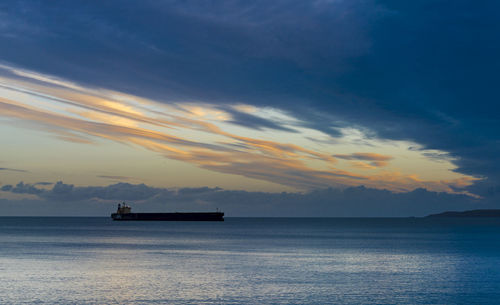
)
(471, 213)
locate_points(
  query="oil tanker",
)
(124, 212)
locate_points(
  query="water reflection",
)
(251, 261)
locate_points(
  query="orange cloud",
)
(362, 165)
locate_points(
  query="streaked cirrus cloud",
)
(265, 144)
(375, 160)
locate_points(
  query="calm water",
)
(250, 261)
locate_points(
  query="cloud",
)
(13, 170)
(22, 188)
(273, 161)
(438, 157)
(64, 199)
(43, 183)
(365, 156)
(328, 63)
(363, 165)
(377, 160)
(119, 191)
(251, 121)
(115, 177)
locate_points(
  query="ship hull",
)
(216, 216)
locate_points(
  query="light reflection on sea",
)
(249, 261)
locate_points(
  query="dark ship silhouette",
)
(124, 212)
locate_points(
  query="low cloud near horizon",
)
(69, 200)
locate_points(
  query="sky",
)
(261, 108)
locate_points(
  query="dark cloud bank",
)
(425, 71)
(68, 200)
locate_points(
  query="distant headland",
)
(471, 213)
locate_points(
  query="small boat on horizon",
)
(124, 212)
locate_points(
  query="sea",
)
(78, 260)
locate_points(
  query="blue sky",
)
(261, 96)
